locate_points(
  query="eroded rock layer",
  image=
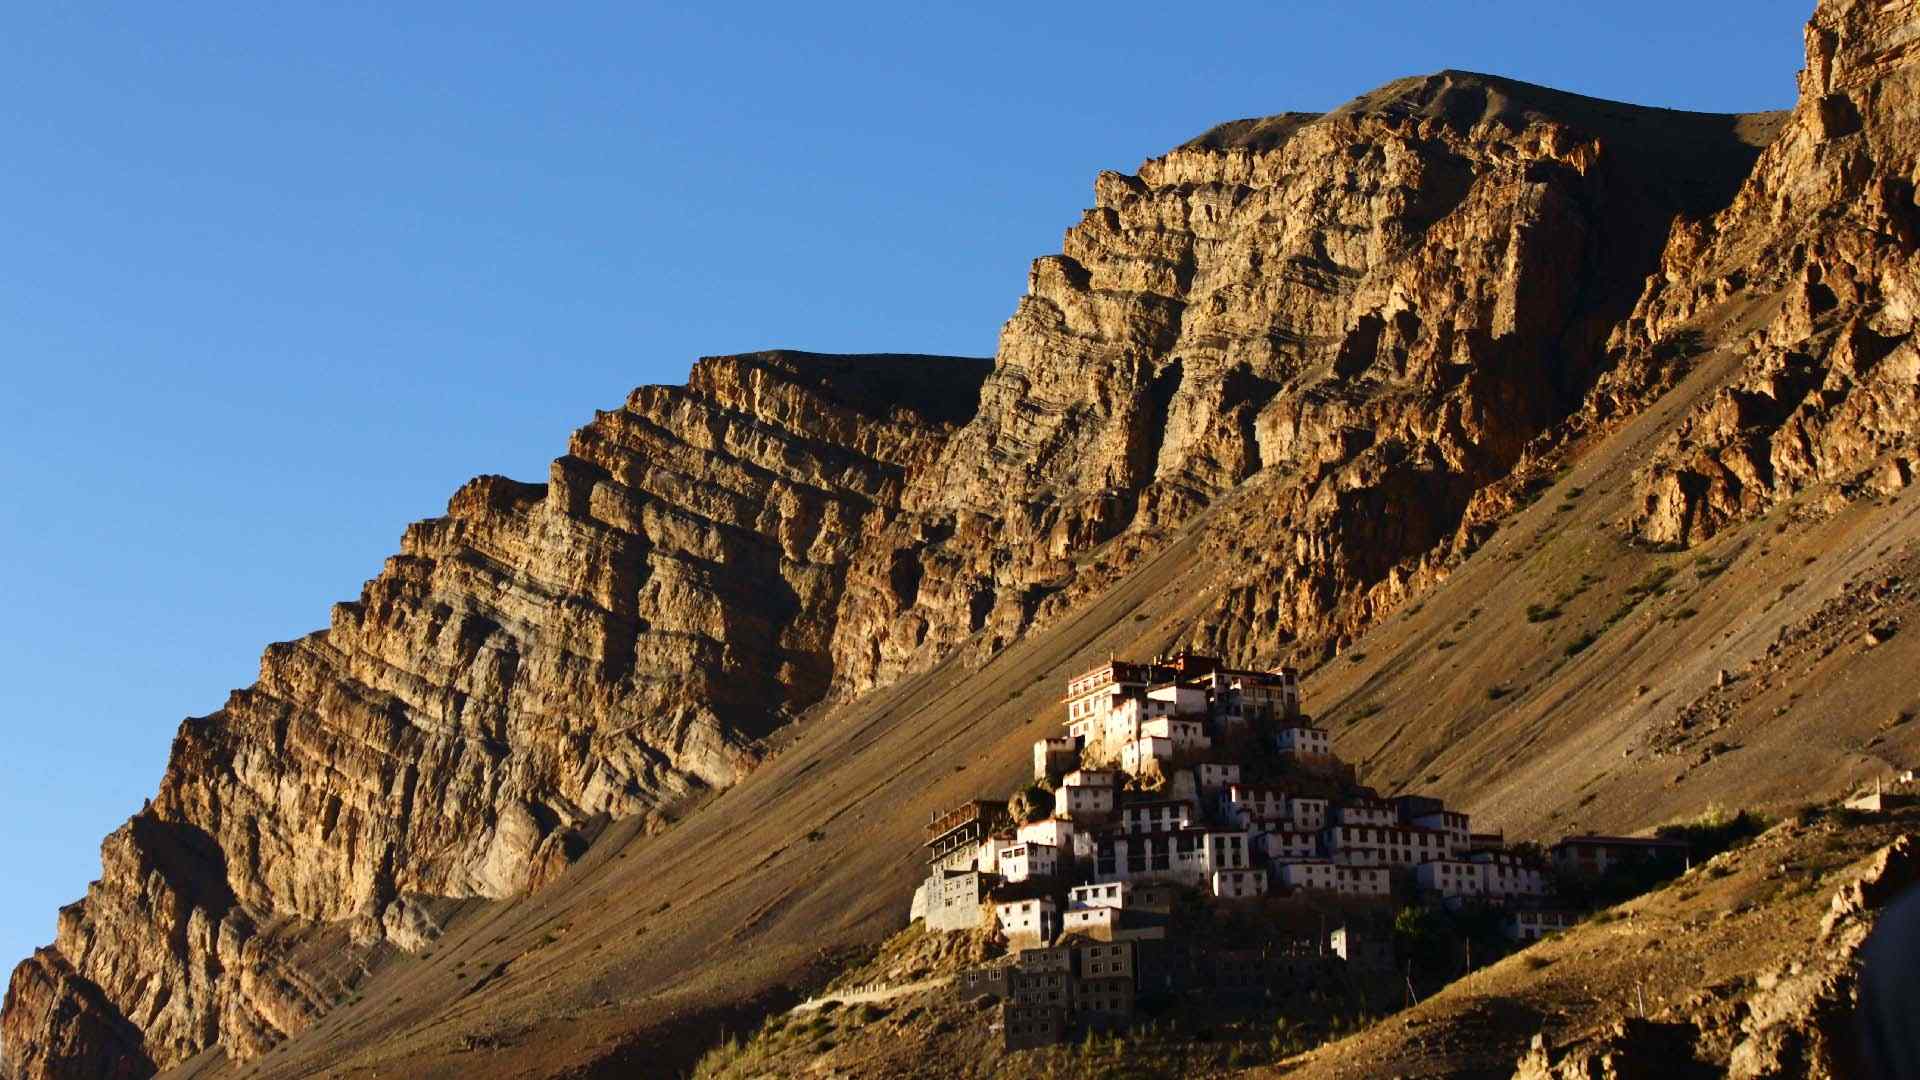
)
(1364, 317)
(1826, 231)
(540, 659)
(1352, 323)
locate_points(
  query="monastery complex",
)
(1184, 780)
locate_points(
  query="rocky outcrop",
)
(1824, 235)
(1356, 321)
(1795, 1021)
(1631, 1049)
(540, 659)
(1375, 308)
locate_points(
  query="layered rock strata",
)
(1825, 231)
(1357, 321)
(1364, 316)
(541, 658)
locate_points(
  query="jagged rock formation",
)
(541, 658)
(1795, 1021)
(1378, 307)
(1356, 325)
(1826, 231)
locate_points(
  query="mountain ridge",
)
(1353, 400)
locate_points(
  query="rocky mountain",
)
(1279, 383)
(1823, 233)
(538, 661)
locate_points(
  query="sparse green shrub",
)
(1707, 566)
(1653, 584)
(1538, 613)
(1714, 831)
(1580, 644)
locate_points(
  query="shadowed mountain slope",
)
(597, 766)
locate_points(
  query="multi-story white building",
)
(1288, 845)
(1025, 860)
(1160, 815)
(1359, 811)
(1364, 880)
(1251, 805)
(1028, 920)
(1506, 876)
(1092, 696)
(1083, 802)
(1302, 739)
(1307, 813)
(1451, 879)
(1104, 894)
(1382, 845)
(1054, 755)
(1106, 778)
(950, 899)
(1214, 777)
(1242, 699)
(1492, 876)
(1179, 700)
(1230, 850)
(1186, 734)
(987, 855)
(1124, 721)
(1054, 832)
(1323, 875)
(1106, 707)
(1315, 874)
(1450, 823)
(1134, 755)
(1188, 855)
(1098, 923)
(1239, 884)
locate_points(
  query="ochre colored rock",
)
(542, 658)
(1361, 325)
(1824, 231)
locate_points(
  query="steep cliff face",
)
(542, 658)
(1365, 312)
(1353, 322)
(1825, 233)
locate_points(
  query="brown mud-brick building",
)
(1595, 855)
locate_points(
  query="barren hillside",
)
(1568, 442)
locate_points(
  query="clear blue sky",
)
(278, 278)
